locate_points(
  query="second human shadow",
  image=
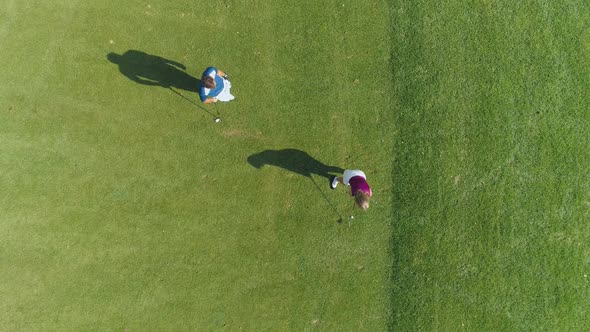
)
(294, 160)
(299, 162)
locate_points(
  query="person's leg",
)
(225, 94)
(335, 181)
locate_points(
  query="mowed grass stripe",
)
(149, 212)
(490, 186)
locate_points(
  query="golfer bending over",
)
(359, 188)
(214, 86)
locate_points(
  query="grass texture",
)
(491, 189)
(125, 207)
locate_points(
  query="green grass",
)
(491, 194)
(125, 207)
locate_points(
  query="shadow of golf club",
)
(299, 162)
(340, 218)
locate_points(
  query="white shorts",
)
(225, 95)
(350, 173)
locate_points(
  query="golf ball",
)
(217, 119)
(351, 217)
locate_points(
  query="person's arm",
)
(222, 74)
(205, 99)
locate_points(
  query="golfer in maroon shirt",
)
(359, 188)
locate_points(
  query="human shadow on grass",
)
(294, 160)
(299, 162)
(154, 70)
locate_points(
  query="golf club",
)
(340, 218)
(216, 117)
(351, 214)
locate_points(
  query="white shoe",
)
(334, 183)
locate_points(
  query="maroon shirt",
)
(359, 183)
